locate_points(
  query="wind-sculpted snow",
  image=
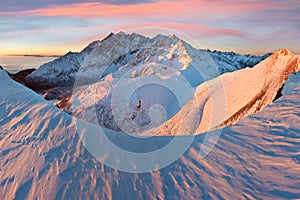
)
(42, 156)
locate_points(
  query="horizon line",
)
(34, 55)
(205, 49)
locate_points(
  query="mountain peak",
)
(108, 36)
(124, 45)
(173, 37)
(92, 45)
(121, 33)
(284, 51)
(166, 39)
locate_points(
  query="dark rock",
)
(21, 75)
(279, 93)
(37, 84)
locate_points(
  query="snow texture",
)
(42, 157)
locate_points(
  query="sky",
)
(52, 27)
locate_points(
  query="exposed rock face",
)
(21, 75)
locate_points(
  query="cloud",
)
(17, 5)
(260, 22)
(193, 10)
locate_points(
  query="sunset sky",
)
(59, 26)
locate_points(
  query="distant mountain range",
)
(117, 51)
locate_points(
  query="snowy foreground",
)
(42, 156)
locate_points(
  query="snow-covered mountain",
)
(228, 98)
(60, 72)
(120, 51)
(230, 61)
(42, 156)
(219, 102)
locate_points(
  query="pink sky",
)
(244, 26)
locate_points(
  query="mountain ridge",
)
(245, 91)
(63, 71)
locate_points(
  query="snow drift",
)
(42, 157)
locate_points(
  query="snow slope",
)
(292, 82)
(42, 157)
(59, 72)
(142, 88)
(228, 98)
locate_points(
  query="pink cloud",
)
(193, 31)
(245, 22)
(232, 13)
(96, 10)
(176, 9)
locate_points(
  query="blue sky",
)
(56, 27)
